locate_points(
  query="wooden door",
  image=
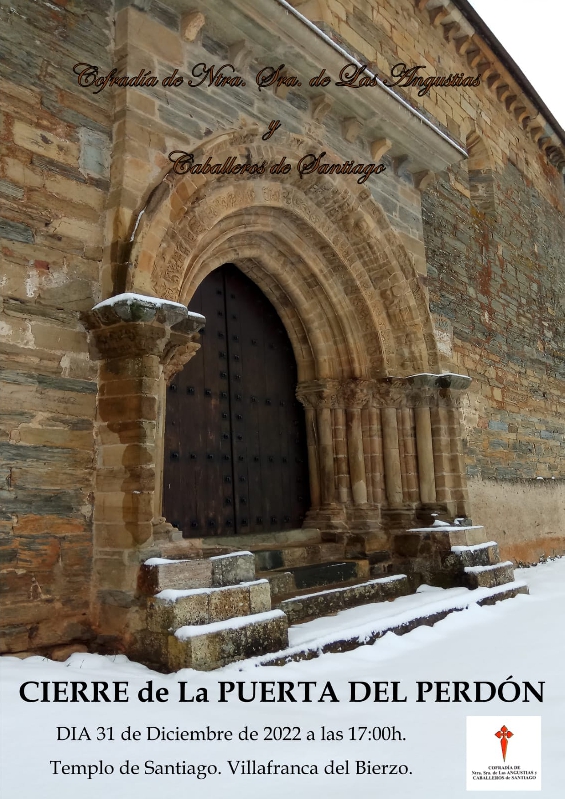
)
(235, 445)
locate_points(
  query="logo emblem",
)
(503, 735)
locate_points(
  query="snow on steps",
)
(315, 575)
(390, 618)
(489, 576)
(171, 609)
(335, 599)
(209, 646)
(157, 574)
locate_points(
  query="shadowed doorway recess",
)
(235, 443)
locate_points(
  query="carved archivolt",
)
(332, 255)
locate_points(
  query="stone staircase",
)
(209, 610)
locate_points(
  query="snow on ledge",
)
(129, 297)
(478, 569)
(379, 581)
(163, 561)
(446, 527)
(363, 632)
(171, 595)
(474, 548)
(193, 631)
(231, 555)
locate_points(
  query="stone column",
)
(141, 342)
(355, 395)
(425, 452)
(320, 398)
(393, 479)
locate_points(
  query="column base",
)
(327, 518)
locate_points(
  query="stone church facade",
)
(422, 307)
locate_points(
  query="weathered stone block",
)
(238, 567)
(216, 645)
(158, 574)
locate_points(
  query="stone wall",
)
(496, 275)
(77, 168)
(53, 185)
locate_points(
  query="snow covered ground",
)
(521, 639)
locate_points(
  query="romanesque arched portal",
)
(383, 435)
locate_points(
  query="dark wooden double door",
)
(235, 452)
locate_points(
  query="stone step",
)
(158, 574)
(335, 598)
(278, 557)
(172, 608)
(253, 541)
(489, 576)
(211, 646)
(455, 535)
(479, 555)
(291, 580)
(396, 622)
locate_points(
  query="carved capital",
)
(177, 354)
(355, 393)
(132, 325)
(319, 394)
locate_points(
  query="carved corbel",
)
(240, 55)
(351, 128)
(321, 106)
(437, 14)
(379, 148)
(191, 24)
(423, 179)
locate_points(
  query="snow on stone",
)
(481, 643)
(129, 298)
(171, 595)
(478, 569)
(232, 555)
(163, 561)
(451, 527)
(393, 578)
(475, 547)
(193, 631)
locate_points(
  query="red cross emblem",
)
(503, 735)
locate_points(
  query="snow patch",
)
(193, 631)
(171, 595)
(478, 569)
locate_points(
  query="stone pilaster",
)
(141, 343)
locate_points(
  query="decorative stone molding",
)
(480, 56)
(355, 393)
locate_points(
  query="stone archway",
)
(383, 428)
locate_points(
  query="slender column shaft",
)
(377, 465)
(314, 471)
(425, 452)
(356, 458)
(460, 493)
(341, 454)
(327, 482)
(442, 455)
(393, 480)
(408, 436)
(365, 432)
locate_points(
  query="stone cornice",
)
(460, 34)
(380, 113)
